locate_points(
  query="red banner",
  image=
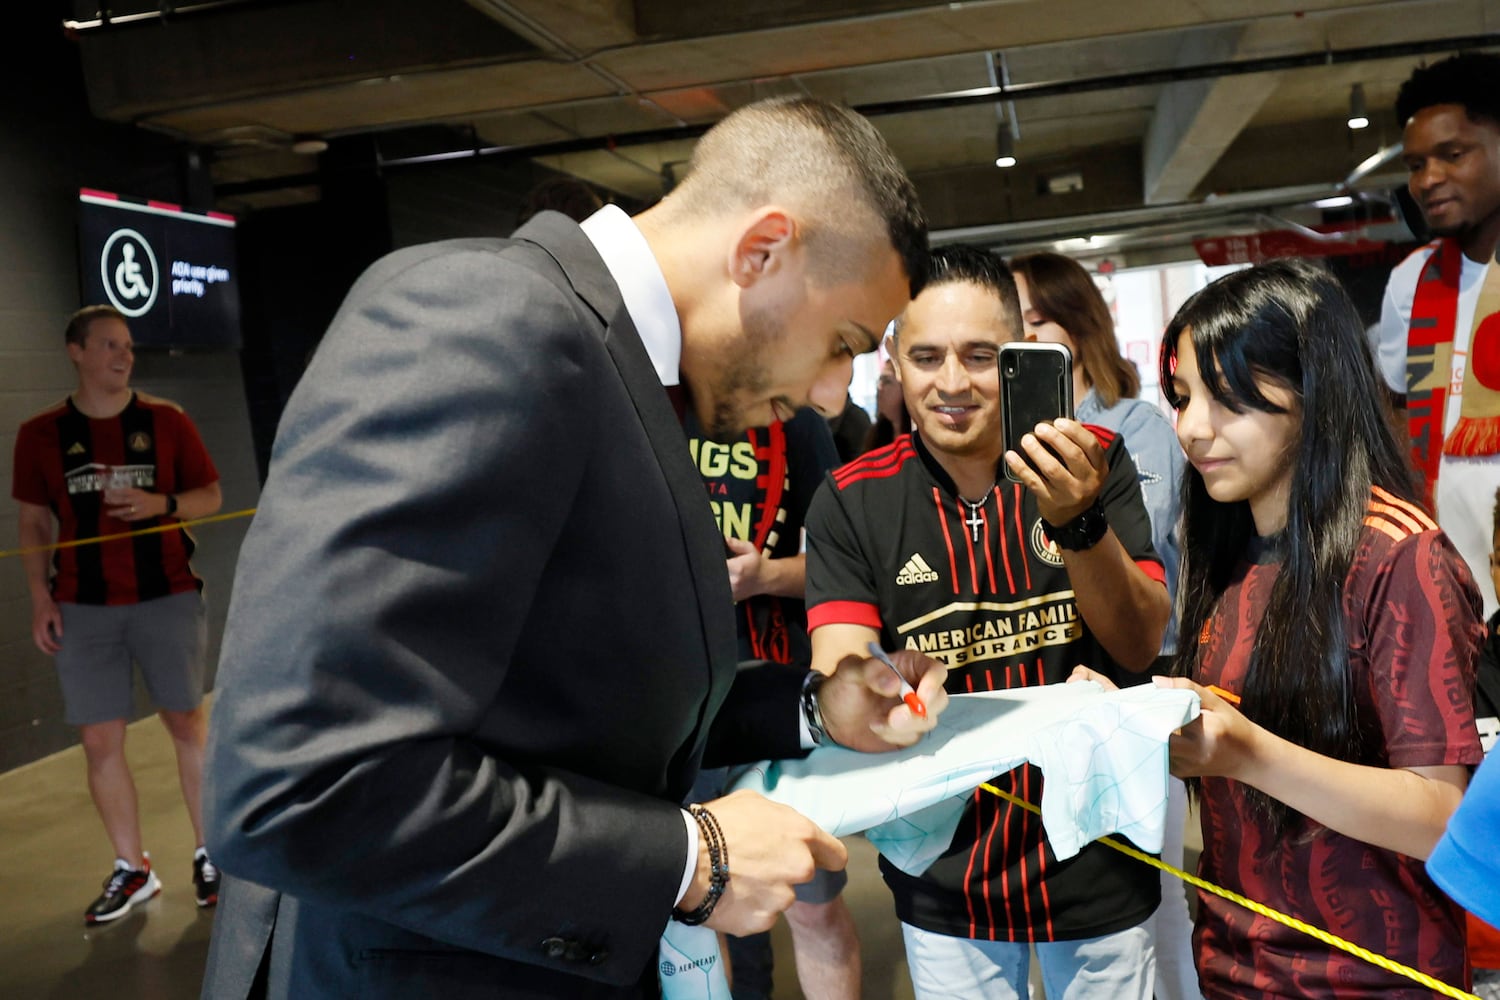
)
(1259, 247)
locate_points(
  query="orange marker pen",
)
(908, 693)
(1228, 696)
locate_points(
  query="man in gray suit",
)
(481, 634)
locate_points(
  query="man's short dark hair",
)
(827, 155)
(77, 331)
(1470, 79)
(960, 263)
(890, 192)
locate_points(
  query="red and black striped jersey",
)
(1414, 628)
(759, 486)
(64, 460)
(891, 545)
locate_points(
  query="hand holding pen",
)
(865, 708)
(908, 693)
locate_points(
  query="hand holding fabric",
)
(770, 848)
(1082, 673)
(1215, 744)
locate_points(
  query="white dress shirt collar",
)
(628, 257)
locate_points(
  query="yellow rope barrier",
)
(1233, 897)
(1265, 911)
(154, 530)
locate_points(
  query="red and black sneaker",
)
(205, 878)
(125, 887)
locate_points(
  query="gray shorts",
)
(166, 637)
(824, 887)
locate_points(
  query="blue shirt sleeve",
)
(1465, 863)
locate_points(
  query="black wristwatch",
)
(811, 711)
(1081, 533)
(171, 505)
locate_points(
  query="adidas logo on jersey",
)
(77, 449)
(916, 570)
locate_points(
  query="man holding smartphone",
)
(926, 545)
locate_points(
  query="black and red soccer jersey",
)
(64, 460)
(892, 546)
(1412, 653)
(759, 487)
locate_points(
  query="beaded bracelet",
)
(718, 867)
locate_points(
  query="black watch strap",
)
(812, 712)
(1080, 534)
(171, 504)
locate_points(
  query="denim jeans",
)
(1119, 966)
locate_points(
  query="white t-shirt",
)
(1465, 493)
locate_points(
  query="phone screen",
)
(1036, 386)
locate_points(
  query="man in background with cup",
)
(108, 461)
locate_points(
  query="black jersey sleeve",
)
(1124, 505)
(840, 578)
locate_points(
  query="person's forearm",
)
(831, 643)
(35, 536)
(1397, 809)
(201, 502)
(784, 577)
(1125, 609)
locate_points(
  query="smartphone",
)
(1036, 386)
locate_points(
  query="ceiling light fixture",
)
(309, 145)
(1359, 117)
(1008, 130)
(1005, 147)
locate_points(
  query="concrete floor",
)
(54, 857)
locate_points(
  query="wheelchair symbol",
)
(130, 275)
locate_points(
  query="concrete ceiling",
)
(1144, 110)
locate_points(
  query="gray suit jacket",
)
(480, 626)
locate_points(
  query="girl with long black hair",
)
(1331, 632)
(1060, 304)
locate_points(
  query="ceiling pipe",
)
(1029, 91)
(1178, 74)
(982, 95)
(1247, 205)
(1374, 162)
(554, 45)
(558, 47)
(104, 18)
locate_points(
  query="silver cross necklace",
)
(974, 520)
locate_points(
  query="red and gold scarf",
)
(1429, 365)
